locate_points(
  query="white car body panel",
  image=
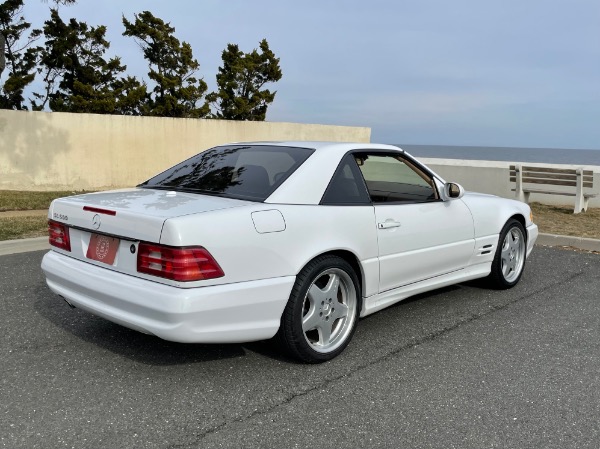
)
(491, 212)
(231, 313)
(390, 297)
(262, 246)
(419, 247)
(281, 253)
(148, 209)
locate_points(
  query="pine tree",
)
(177, 92)
(77, 76)
(18, 54)
(240, 80)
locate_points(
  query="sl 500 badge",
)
(60, 216)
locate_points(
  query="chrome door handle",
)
(387, 224)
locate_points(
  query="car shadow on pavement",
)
(151, 350)
(433, 295)
(134, 345)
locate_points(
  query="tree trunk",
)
(2, 60)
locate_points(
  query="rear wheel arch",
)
(354, 263)
(349, 257)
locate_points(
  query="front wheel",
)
(321, 314)
(509, 260)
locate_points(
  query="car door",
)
(420, 236)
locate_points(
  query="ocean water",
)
(509, 154)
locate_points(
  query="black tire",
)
(509, 260)
(332, 330)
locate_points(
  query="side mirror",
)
(453, 190)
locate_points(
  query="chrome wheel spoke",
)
(311, 320)
(507, 267)
(325, 332)
(316, 295)
(332, 287)
(339, 310)
(505, 257)
(515, 242)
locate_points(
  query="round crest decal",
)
(102, 247)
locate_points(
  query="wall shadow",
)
(30, 141)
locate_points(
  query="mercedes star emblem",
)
(96, 221)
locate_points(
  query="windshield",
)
(250, 172)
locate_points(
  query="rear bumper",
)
(231, 313)
(532, 235)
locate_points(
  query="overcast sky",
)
(450, 72)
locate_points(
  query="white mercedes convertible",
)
(297, 240)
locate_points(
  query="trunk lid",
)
(139, 214)
(108, 233)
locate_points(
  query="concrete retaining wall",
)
(493, 177)
(60, 151)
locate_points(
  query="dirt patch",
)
(562, 221)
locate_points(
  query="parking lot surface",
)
(462, 367)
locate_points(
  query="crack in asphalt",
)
(323, 385)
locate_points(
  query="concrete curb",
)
(565, 240)
(41, 243)
(23, 245)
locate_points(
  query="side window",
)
(346, 186)
(390, 178)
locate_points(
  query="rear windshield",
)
(250, 172)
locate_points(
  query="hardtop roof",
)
(321, 145)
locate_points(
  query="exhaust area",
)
(69, 304)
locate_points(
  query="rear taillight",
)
(192, 263)
(58, 235)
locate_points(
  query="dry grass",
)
(561, 220)
(550, 219)
(19, 200)
(23, 227)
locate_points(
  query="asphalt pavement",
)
(462, 367)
